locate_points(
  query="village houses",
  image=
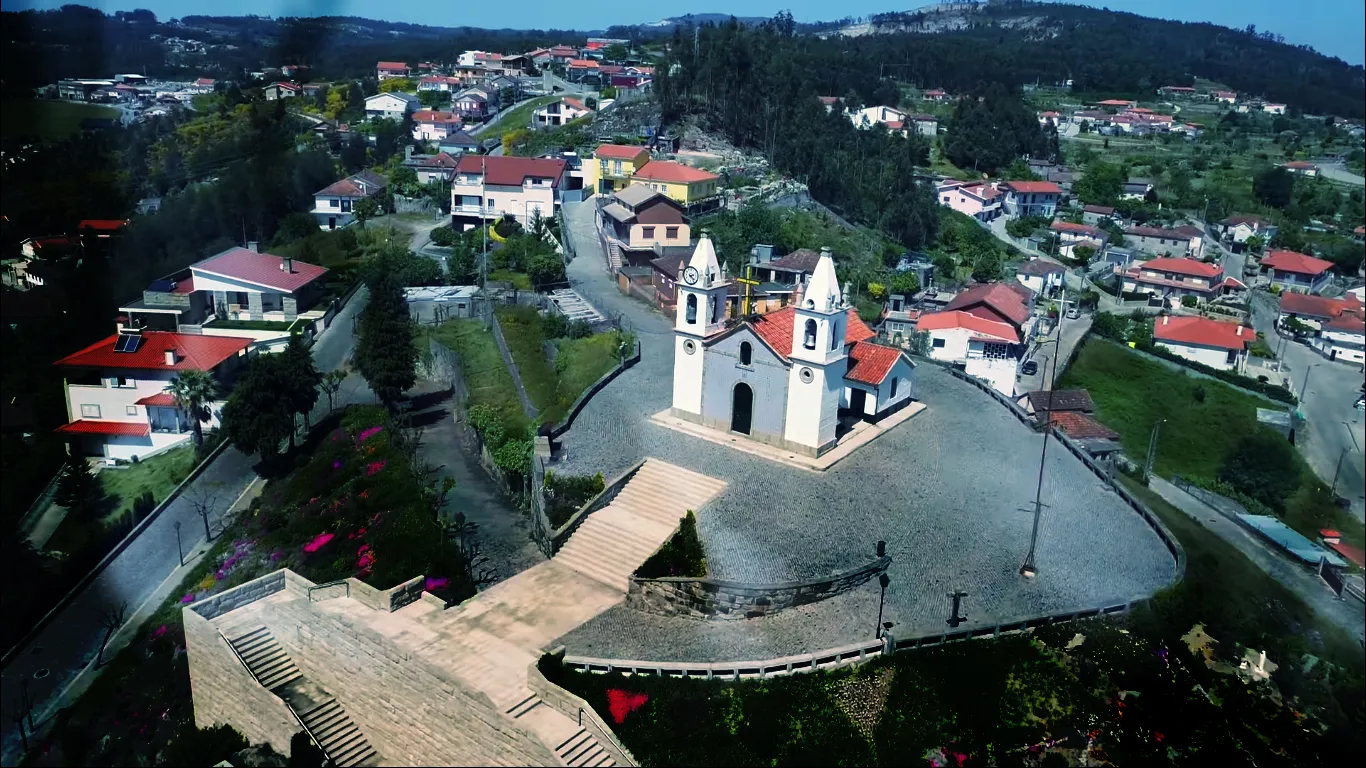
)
(1215, 343)
(487, 189)
(613, 166)
(334, 205)
(1335, 326)
(1031, 198)
(1297, 272)
(980, 199)
(1174, 278)
(394, 105)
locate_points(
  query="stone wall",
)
(411, 711)
(386, 600)
(232, 599)
(226, 693)
(579, 711)
(714, 599)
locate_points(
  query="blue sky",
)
(1333, 27)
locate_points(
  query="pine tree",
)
(77, 488)
(301, 375)
(385, 351)
(256, 417)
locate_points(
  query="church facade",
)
(785, 378)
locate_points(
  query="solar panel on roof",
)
(161, 286)
(128, 342)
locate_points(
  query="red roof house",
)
(240, 269)
(996, 301)
(1202, 340)
(670, 171)
(1292, 271)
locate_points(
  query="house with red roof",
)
(1297, 272)
(1215, 343)
(1031, 198)
(334, 205)
(282, 89)
(1301, 168)
(693, 187)
(1226, 97)
(558, 113)
(117, 404)
(1159, 241)
(1343, 338)
(613, 166)
(797, 377)
(486, 189)
(1010, 303)
(1337, 326)
(435, 124)
(429, 168)
(1174, 278)
(246, 284)
(979, 199)
(987, 349)
(1095, 214)
(438, 83)
(1235, 231)
(1045, 277)
(388, 70)
(936, 94)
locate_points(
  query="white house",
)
(1273, 109)
(247, 285)
(1237, 230)
(116, 398)
(880, 115)
(491, 188)
(558, 113)
(1041, 276)
(987, 349)
(393, 105)
(334, 205)
(282, 90)
(1031, 198)
(435, 125)
(1301, 168)
(1214, 343)
(1343, 338)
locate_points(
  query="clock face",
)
(690, 275)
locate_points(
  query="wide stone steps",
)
(340, 739)
(583, 749)
(267, 660)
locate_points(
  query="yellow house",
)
(612, 167)
(680, 182)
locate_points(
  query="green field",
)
(47, 119)
(481, 365)
(579, 362)
(520, 117)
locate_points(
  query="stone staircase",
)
(614, 541)
(268, 662)
(341, 740)
(582, 749)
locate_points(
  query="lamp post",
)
(179, 550)
(1029, 568)
(1304, 386)
(883, 580)
(1338, 470)
(1152, 448)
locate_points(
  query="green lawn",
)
(519, 280)
(520, 117)
(159, 474)
(47, 119)
(578, 363)
(482, 367)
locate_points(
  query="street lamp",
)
(883, 580)
(1152, 448)
(1336, 472)
(180, 551)
(1304, 387)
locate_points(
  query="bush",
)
(682, 556)
(1273, 391)
(1189, 301)
(557, 326)
(1198, 393)
(566, 494)
(206, 746)
(1263, 466)
(445, 237)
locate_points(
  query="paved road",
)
(1071, 334)
(1335, 428)
(1347, 614)
(1339, 172)
(70, 641)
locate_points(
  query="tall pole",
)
(1152, 448)
(883, 580)
(1336, 472)
(1029, 568)
(179, 550)
(1304, 387)
(484, 228)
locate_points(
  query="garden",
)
(357, 505)
(1210, 436)
(580, 357)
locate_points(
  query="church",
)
(795, 378)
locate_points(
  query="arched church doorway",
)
(741, 409)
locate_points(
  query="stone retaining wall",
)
(386, 600)
(579, 711)
(245, 594)
(727, 600)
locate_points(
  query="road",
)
(1334, 436)
(1347, 614)
(1071, 332)
(70, 641)
(1338, 172)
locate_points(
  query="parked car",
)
(1029, 368)
(1073, 313)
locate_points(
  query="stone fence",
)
(609, 492)
(704, 598)
(596, 387)
(579, 711)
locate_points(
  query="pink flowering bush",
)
(318, 542)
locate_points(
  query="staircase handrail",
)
(288, 706)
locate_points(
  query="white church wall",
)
(687, 375)
(813, 406)
(767, 376)
(904, 373)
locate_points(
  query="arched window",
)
(810, 337)
(746, 353)
(692, 308)
(895, 381)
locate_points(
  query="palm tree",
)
(193, 390)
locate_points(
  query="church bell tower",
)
(701, 295)
(819, 360)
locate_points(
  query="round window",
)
(806, 375)
(690, 346)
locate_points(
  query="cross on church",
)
(749, 282)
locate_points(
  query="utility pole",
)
(484, 227)
(1152, 448)
(1030, 569)
(1304, 387)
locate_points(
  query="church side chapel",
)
(798, 378)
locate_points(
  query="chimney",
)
(253, 246)
(286, 264)
(1166, 319)
(170, 356)
(1240, 330)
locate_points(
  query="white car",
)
(1073, 313)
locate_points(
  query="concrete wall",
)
(225, 692)
(998, 372)
(766, 376)
(639, 240)
(1214, 358)
(955, 349)
(724, 600)
(904, 373)
(1347, 346)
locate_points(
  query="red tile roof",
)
(1079, 426)
(1353, 553)
(184, 286)
(1182, 267)
(1300, 165)
(871, 363)
(103, 427)
(979, 326)
(204, 81)
(1033, 187)
(1115, 103)
(1317, 306)
(775, 328)
(1042, 267)
(435, 116)
(1003, 299)
(260, 269)
(582, 64)
(620, 151)
(512, 171)
(1347, 323)
(109, 225)
(1203, 331)
(669, 171)
(1299, 263)
(160, 398)
(193, 352)
(391, 65)
(1103, 210)
(1078, 229)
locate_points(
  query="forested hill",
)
(1103, 51)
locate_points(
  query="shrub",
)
(206, 746)
(445, 237)
(1263, 466)
(683, 555)
(1273, 391)
(1198, 393)
(565, 494)
(1189, 301)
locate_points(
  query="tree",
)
(192, 391)
(405, 84)
(1263, 466)
(545, 269)
(301, 378)
(111, 619)
(204, 501)
(77, 486)
(293, 227)
(331, 384)
(303, 753)
(204, 746)
(1274, 187)
(385, 353)
(365, 209)
(435, 99)
(615, 52)
(1100, 185)
(256, 418)
(1254, 244)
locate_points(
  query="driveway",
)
(69, 642)
(1334, 436)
